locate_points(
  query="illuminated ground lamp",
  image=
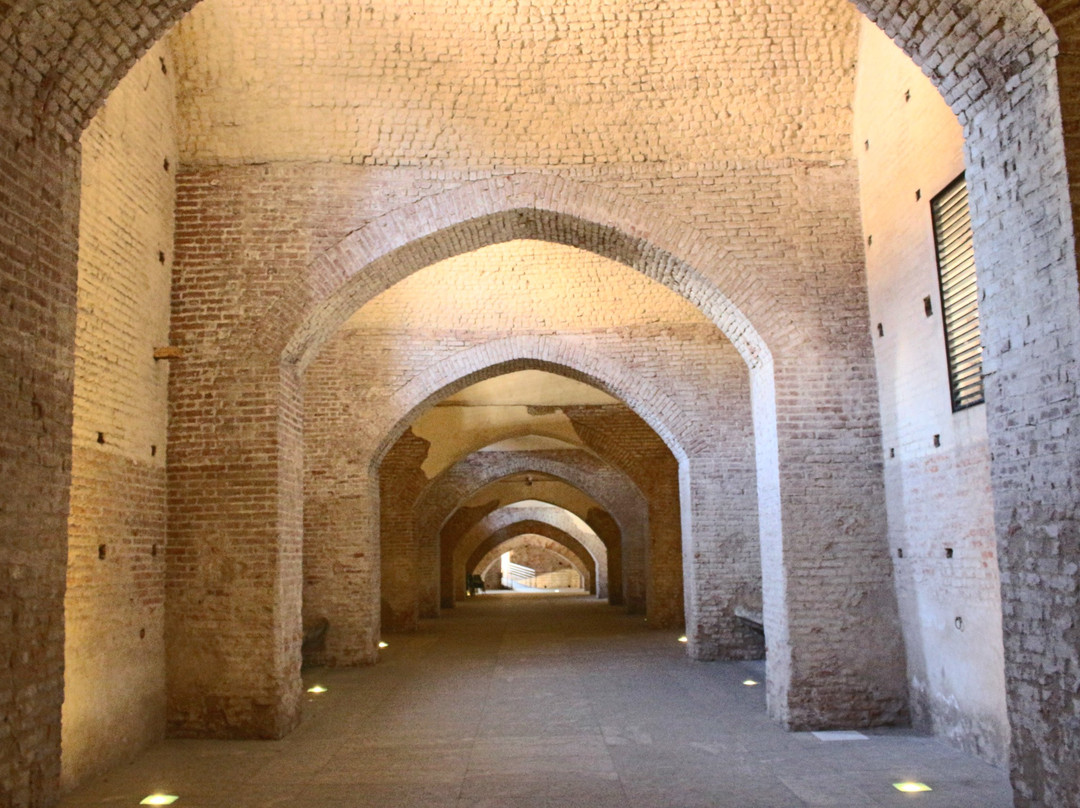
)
(911, 788)
(384, 645)
(316, 689)
(749, 682)
(683, 638)
(159, 799)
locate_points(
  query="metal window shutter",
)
(959, 294)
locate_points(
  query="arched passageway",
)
(530, 420)
(1007, 94)
(470, 490)
(498, 529)
(554, 564)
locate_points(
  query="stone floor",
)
(530, 701)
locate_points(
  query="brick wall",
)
(114, 608)
(994, 63)
(40, 181)
(910, 147)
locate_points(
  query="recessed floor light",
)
(159, 799)
(683, 638)
(384, 645)
(316, 689)
(749, 682)
(911, 788)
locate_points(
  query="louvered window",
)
(959, 295)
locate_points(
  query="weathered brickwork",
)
(400, 482)
(114, 607)
(692, 63)
(1031, 366)
(39, 181)
(941, 528)
(993, 60)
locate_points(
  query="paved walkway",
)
(532, 701)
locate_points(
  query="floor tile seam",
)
(596, 723)
(489, 678)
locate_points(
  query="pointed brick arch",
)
(509, 521)
(553, 354)
(621, 518)
(588, 560)
(539, 207)
(67, 60)
(70, 61)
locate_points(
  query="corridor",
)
(529, 701)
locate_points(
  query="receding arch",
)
(508, 521)
(584, 558)
(501, 525)
(565, 357)
(553, 354)
(455, 501)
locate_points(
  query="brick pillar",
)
(233, 589)
(837, 658)
(39, 182)
(342, 580)
(1030, 318)
(428, 575)
(664, 602)
(721, 564)
(401, 480)
(605, 526)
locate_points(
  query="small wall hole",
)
(142, 633)
(928, 306)
(165, 164)
(153, 450)
(164, 67)
(161, 256)
(948, 552)
(869, 241)
(907, 95)
(959, 623)
(937, 440)
(892, 451)
(100, 437)
(101, 551)
(918, 194)
(899, 552)
(867, 145)
(153, 550)
(880, 330)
